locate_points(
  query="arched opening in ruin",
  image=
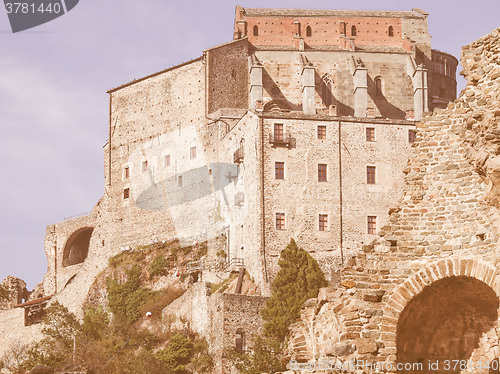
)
(77, 247)
(256, 30)
(353, 30)
(391, 31)
(309, 31)
(455, 318)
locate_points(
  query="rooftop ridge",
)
(267, 12)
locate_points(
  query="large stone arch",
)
(448, 308)
(76, 248)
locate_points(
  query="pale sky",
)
(54, 105)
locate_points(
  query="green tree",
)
(266, 357)
(158, 266)
(177, 354)
(298, 279)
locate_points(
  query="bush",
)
(158, 266)
(177, 354)
(298, 279)
(125, 299)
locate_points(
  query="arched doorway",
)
(454, 318)
(77, 247)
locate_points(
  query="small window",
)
(372, 225)
(167, 161)
(179, 181)
(255, 30)
(126, 172)
(192, 153)
(309, 31)
(321, 132)
(370, 134)
(240, 341)
(280, 221)
(370, 174)
(279, 170)
(126, 193)
(144, 166)
(378, 86)
(278, 132)
(353, 31)
(323, 222)
(391, 31)
(412, 136)
(326, 90)
(321, 172)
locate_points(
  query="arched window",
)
(309, 31)
(240, 341)
(391, 31)
(378, 86)
(353, 30)
(255, 30)
(326, 90)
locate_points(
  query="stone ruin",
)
(426, 292)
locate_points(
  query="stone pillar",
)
(308, 89)
(420, 92)
(256, 92)
(360, 77)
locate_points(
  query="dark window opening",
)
(278, 132)
(126, 172)
(280, 221)
(279, 170)
(323, 222)
(370, 134)
(126, 193)
(322, 173)
(240, 341)
(326, 90)
(412, 136)
(378, 86)
(391, 31)
(370, 174)
(353, 31)
(255, 30)
(372, 224)
(321, 132)
(309, 31)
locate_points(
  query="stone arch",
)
(77, 247)
(449, 308)
(277, 106)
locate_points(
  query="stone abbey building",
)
(300, 127)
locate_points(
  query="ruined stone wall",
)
(428, 288)
(14, 333)
(229, 314)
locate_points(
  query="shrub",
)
(158, 266)
(298, 279)
(177, 354)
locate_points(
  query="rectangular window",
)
(144, 166)
(372, 225)
(192, 153)
(126, 172)
(412, 136)
(278, 132)
(279, 170)
(321, 172)
(370, 134)
(280, 221)
(323, 222)
(126, 193)
(321, 132)
(167, 161)
(370, 174)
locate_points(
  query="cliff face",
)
(427, 289)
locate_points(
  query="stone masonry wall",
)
(441, 244)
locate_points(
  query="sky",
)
(54, 105)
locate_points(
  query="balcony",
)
(280, 140)
(238, 156)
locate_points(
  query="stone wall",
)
(427, 289)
